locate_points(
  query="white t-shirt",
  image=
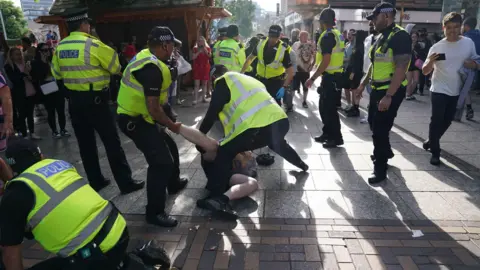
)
(446, 77)
(366, 57)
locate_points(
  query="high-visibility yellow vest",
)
(83, 62)
(250, 106)
(226, 54)
(336, 60)
(131, 96)
(67, 213)
(383, 64)
(214, 52)
(275, 68)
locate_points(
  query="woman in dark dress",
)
(413, 73)
(354, 69)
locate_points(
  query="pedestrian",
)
(369, 41)
(251, 119)
(50, 202)
(354, 70)
(330, 56)
(469, 25)
(305, 51)
(274, 68)
(349, 45)
(24, 94)
(201, 55)
(413, 73)
(83, 65)
(54, 101)
(6, 112)
(446, 58)
(390, 57)
(288, 97)
(143, 93)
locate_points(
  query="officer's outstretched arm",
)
(159, 115)
(108, 59)
(12, 257)
(248, 62)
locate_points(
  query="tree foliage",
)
(243, 12)
(15, 23)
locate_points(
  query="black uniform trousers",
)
(381, 123)
(272, 85)
(90, 112)
(443, 112)
(219, 171)
(112, 260)
(327, 105)
(161, 153)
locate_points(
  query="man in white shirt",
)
(445, 59)
(368, 43)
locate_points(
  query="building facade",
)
(32, 9)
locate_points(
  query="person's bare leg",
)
(196, 88)
(241, 186)
(410, 83)
(204, 90)
(348, 97)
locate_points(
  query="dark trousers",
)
(25, 112)
(55, 105)
(299, 80)
(443, 112)
(112, 259)
(272, 86)
(219, 171)
(381, 123)
(327, 106)
(161, 153)
(90, 112)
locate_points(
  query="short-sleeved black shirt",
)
(327, 43)
(270, 52)
(17, 202)
(150, 77)
(400, 43)
(220, 97)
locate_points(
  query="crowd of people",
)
(246, 87)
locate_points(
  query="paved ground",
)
(423, 217)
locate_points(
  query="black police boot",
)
(160, 219)
(390, 155)
(354, 112)
(321, 139)
(177, 186)
(426, 145)
(435, 160)
(99, 185)
(220, 207)
(201, 203)
(332, 143)
(379, 173)
(132, 186)
(304, 167)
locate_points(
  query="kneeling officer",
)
(49, 201)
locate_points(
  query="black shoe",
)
(304, 167)
(201, 203)
(332, 143)
(376, 178)
(65, 133)
(426, 145)
(305, 105)
(289, 110)
(219, 206)
(132, 186)
(435, 161)
(355, 112)
(162, 220)
(469, 114)
(178, 186)
(321, 139)
(99, 185)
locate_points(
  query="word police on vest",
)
(69, 54)
(54, 168)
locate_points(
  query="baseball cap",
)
(22, 153)
(383, 7)
(275, 31)
(328, 16)
(161, 34)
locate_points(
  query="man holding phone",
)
(445, 59)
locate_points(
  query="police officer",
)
(251, 119)
(390, 57)
(330, 49)
(50, 202)
(143, 92)
(83, 64)
(274, 68)
(230, 52)
(222, 34)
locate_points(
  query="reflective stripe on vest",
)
(338, 52)
(276, 63)
(126, 78)
(55, 199)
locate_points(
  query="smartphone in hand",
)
(441, 57)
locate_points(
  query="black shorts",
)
(300, 78)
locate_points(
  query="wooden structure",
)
(118, 21)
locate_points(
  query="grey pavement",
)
(336, 185)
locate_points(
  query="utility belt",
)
(91, 252)
(281, 77)
(96, 97)
(332, 81)
(376, 85)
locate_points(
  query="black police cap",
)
(77, 15)
(275, 31)
(328, 16)
(162, 34)
(383, 7)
